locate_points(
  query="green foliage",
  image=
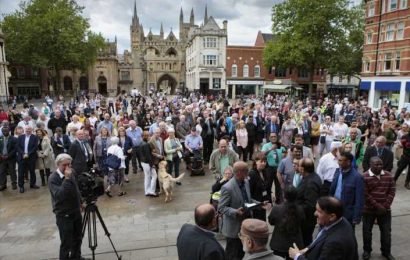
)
(51, 33)
(316, 34)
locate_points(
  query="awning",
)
(298, 88)
(281, 88)
(365, 85)
(387, 85)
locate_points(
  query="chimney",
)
(225, 23)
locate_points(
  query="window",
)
(390, 32)
(68, 83)
(234, 70)
(303, 73)
(21, 72)
(340, 79)
(403, 4)
(209, 42)
(387, 61)
(369, 38)
(280, 72)
(370, 12)
(392, 5)
(216, 83)
(35, 73)
(245, 71)
(400, 31)
(257, 71)
(367, 66)
(209, 60)
(398, 60)
(125, 75)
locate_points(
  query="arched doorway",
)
(83, 83)
(102, 85)
(68, 83)
(167, 84)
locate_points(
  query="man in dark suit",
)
(208, 136)
(27, 145)
(60, 142)
(8, 145)
(272, 127)
(336, 239)
(81, 153)
(198, 242)
(235, 194)
(308, 194)
(348, 186)
(307, 129)
(379, 149)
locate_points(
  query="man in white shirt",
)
(74, 124)
(327, 167)
(27, 122)
(338, 107)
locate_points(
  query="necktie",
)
(379, 151)
(85, 150)
(243, 191)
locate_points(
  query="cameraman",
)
(66, 201)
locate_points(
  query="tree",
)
(51, 34)
(316, 35)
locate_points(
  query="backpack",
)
(112, 161)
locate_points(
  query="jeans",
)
(173, 164)
(384, 223)
(70, 228)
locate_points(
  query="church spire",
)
(135, 19)
(206, 14)
(191, 20)
(161, 32)
(181, 16)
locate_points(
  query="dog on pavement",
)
(166, 181)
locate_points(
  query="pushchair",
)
(196, 165)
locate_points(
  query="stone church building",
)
(154, 62)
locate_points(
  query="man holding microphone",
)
(66, 201)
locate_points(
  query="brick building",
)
(386, 53)
(246, 73)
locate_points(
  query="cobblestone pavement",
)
(140, 227)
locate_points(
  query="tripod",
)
(90, 221)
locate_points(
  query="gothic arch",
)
(157, 52)
(68, 83)
(171, 52)
(167, 83)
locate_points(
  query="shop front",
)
(394, 91)
(237, 88)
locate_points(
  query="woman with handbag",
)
(44, 155)
(115, 167)
(173, 150)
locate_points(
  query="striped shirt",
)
(379, 191)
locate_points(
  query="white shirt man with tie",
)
(27, 145)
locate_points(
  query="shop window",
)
(400, 31)
(245, 71)
(370, 12)
(216, 83)
(257, 71)
(390, 32)
(234, 71)
(387, 62)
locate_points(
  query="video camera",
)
(91, 186)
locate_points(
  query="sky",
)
(113, 17)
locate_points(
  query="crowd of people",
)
(301, 152)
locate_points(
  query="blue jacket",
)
(352, 193)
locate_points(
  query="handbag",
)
(322, 139)
(112, 161)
